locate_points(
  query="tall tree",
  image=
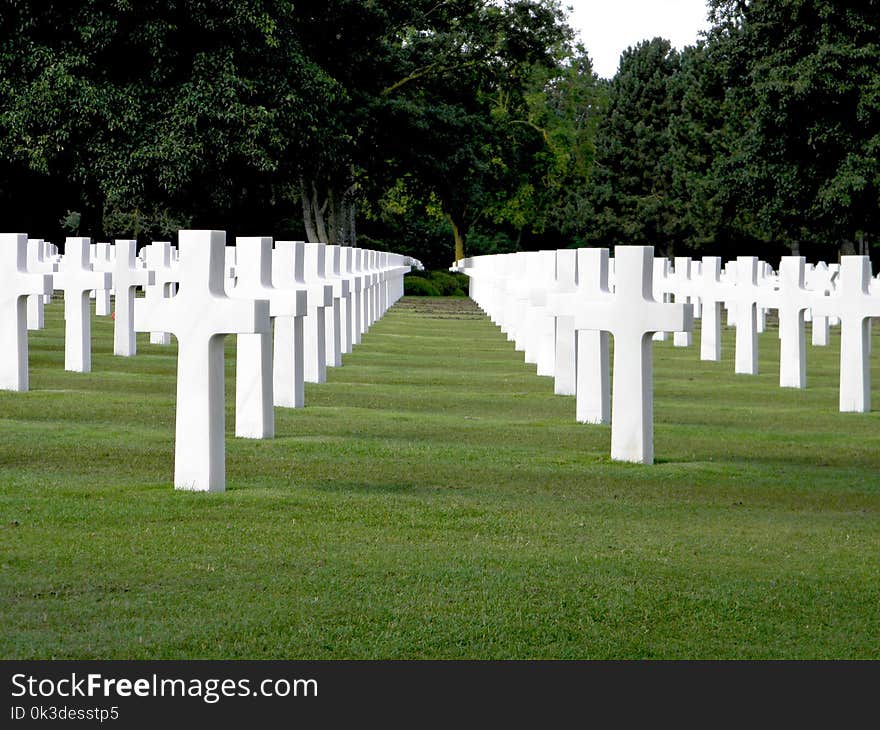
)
(161, 111)
(811, 146)
(449, 125)
(564, 105)
(632, 181)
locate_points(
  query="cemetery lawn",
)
(436, 500)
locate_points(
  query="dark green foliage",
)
(427, 127)
(261, 117)
(764, 138)
(449, 284)
(632, 181)
(436, 283)
(455, 131)
(158, 114)
(492, 241)
(419, 287)
(397, 228)
(811, 99)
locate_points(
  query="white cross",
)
(288, 370)
(683, 291)
(632, 316)
(382, 284)
(712, 293)
(855, 306)
(252, 280)
(51, 255)
(517, 292)
(158, 259)
(398, 267)
(539, 323)
(696, 278)
(346, 265)
(38, 262)
(200, 316)
(574, 291)
(360, 284)
(593, 403)
(661, 286)
(103, 261)
(744, 298)
(128, 274)
(792, 299)
(335, 323)
(254, 414)
(16, 284)
(495, 281)
(372, 273)
(315, 328)
(728, 277)
(565, 339)
(820, 279)
(76, 278)
(765, 277)
(376, 303)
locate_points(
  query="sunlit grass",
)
(436, 500)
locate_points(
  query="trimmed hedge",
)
(416, 286)
(435, 284)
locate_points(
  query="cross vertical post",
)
(711, 292)
(288, 363)
(593, 403)
(683, 294)
(745, 295)
(792, 300)
(565, 335)
(127, 276)
(16, 284)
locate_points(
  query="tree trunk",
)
(308, 218)
(352, 221)
(318, 210)
(333, 222)
(795, 248)
(331, 219)
(459, 239)
(346, 218)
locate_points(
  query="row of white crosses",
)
(839, 293)
(200, 299)
(579, 316)
(559, 307)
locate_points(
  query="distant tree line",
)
(438, 128)
(765, 137)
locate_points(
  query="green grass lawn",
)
(436, 500)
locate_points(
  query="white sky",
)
(608, 27)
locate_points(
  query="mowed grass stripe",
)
(436, 500)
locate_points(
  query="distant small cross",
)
(128, 274)
(76, 277)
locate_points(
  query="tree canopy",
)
(436, 128)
